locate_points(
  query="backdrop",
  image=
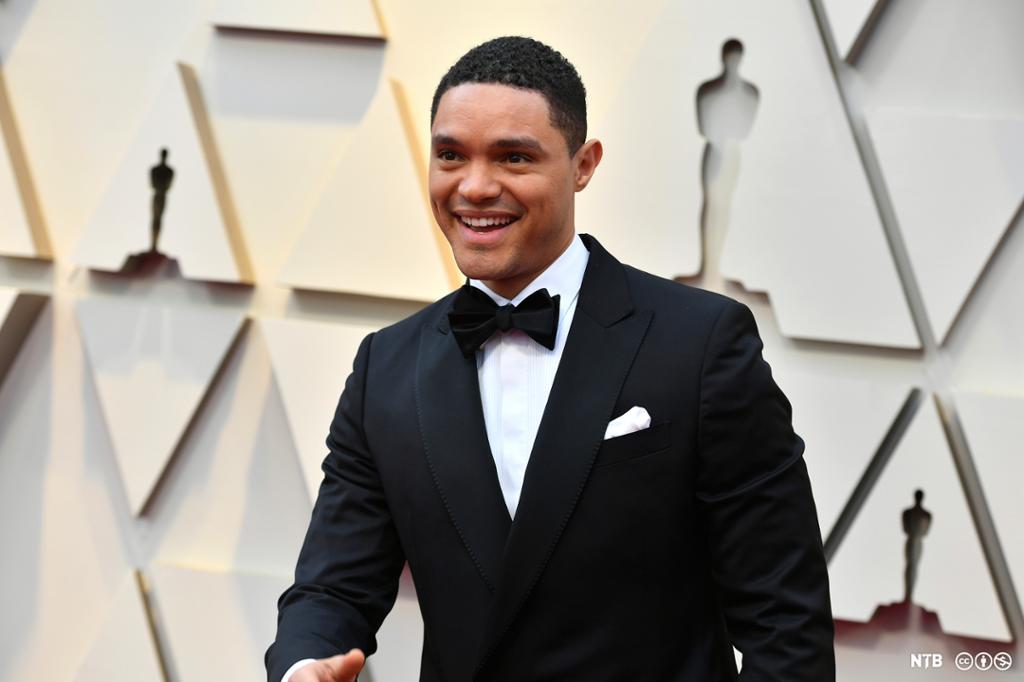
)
(853, 171)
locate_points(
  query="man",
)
(588, 468)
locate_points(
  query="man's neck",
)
(510, 288)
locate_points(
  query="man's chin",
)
(482, 275)
(485, 269)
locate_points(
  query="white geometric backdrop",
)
(161, 433)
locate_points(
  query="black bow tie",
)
(474, 317)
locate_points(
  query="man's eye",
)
(516, 158)
(446, 155)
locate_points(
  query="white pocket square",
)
(633, 419)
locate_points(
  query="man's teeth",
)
(486, 222)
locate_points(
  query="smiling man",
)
(589, 469)
(502, 180)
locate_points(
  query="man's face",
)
(502, 182)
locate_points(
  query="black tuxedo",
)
(641, 557)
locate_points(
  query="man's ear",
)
(585, 161)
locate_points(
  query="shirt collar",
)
(562, 278)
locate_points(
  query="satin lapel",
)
(454, 435)
(599, 350)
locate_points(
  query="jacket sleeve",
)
(761, 525)
(346, 577)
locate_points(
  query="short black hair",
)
(529, 64)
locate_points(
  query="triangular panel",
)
(218, 624)
(22, 229)
(124, 650)
(803, 223)
(152, 365)
(372, 232)
(311, 361)
(843, 422)
(955, 182)
(804, 227)
(356, 18)
(953, 576)
(847, 19)
(199, 224)
(995, 434)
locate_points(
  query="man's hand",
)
(340, 668)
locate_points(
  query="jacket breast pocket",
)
(654, 438)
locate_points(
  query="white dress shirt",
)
(516, 374)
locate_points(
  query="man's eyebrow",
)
(439, 140)
(518, 142)
(503, 143)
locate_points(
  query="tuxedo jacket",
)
(643, 557)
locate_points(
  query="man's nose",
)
(479, 184)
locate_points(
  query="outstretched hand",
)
(340, 668)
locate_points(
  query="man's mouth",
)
(487, 224)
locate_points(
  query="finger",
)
(345, 667)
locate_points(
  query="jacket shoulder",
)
(665, 295)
